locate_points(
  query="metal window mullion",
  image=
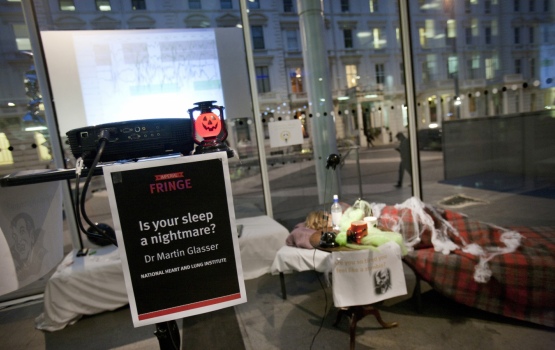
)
(406, 43)
(256, 109)
(51, 122)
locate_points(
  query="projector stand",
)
(168, 335)
(209, 147)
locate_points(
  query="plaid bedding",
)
(522, 283)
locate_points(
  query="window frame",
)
(257, 36)
(487, 35)
(518, 65)
(226, 4)
(296, 83)
(196, 3)
(379, 69)
(351, 74)
(66, 5)
(263, 84)
(253, 4)
(344, 6)
(292, 40)
(348, 42)
(374, 6)
(138, 5)
(288, 6)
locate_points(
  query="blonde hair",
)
(316, 220)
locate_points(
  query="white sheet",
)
(262, 237)
(94, 284)
(292, 259)
(83, 286)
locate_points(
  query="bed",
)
(94, 283)
(504, 270)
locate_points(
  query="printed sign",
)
(365, 277)
(285, 133)
(176, 234)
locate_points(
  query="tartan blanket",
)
(521, 280)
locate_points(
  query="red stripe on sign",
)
(192, 306)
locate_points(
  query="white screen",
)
(100, 76)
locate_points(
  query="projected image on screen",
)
(147, 74)
(105, 76)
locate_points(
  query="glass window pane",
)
(257, 33)
(288, 6)
(296, 78)
(195, 4)
(380, 73)
(344, 5)
(138, 4)
(348, 38)
(226, 4)
(6, 157)
(484, 76)
(253, 4)
(472, 60)
(66, 5)
(21, 34)
(352, 75)
(103, 5)
(263, 79)
(374, 6)
(292, 40)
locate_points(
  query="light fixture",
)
(210, 127)
(36, 128)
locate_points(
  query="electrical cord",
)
(103, 138)
(325, 299)
(171, 326)
(314, 265)
(78, 169)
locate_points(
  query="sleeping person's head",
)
(317, 220)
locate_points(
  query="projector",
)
(133, 139)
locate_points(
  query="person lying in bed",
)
(315, 223)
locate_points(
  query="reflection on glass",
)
(483, 71)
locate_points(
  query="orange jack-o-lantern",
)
(208, 125)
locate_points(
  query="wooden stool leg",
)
(352, 330)
(378, 317)
(418, 295)
(338, 317)
(356, 313)
(282, 281)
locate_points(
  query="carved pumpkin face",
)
(208, 125)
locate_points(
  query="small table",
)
(355, 312)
